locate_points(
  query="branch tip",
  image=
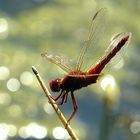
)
(34, 70)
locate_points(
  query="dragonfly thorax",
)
(73, 81)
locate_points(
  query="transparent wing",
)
(59, 60)
(96, 28)
(116, 39)
(113, 43)
(96, 76)
(88, 75)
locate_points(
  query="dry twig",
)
(55, 107)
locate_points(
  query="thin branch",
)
(55, 107)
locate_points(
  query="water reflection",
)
(60, 133)
(135, 127)
(5, 99)
(15, 110)
(48, 108)
(3, 28)
(26, 78)
(4, 73)
(108, 82)
(7, 130)
(13, 84)
(33, 130)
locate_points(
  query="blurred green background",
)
(108, 110)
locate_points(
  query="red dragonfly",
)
(76, 78)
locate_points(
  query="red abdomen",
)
(99, 67)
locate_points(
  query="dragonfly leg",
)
(63, 99)
(75, 106)
(63, 95)
(57, 97)
(66, 98)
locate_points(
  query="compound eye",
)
(55, 85)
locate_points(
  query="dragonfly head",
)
(55, 85)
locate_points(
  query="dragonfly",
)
(75, 78)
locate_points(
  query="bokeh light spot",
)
(135, 127)
(22, 132)
(108, 82)
(15, 110)
(7, 130)
(5, 99)
(59, 133)
(4, 73)
(13, 84)
(3, 131)
(111, 91)
(33, 130)
(12, 130)
(26, 78)
(48, 108)
(3, 28)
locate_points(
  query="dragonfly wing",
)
(96, 27)
(117, 38)
(58, 60)
(113, 43)
(88, 75)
